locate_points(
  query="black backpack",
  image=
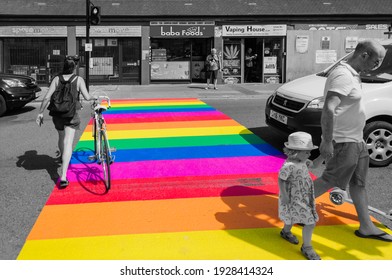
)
(63, 101)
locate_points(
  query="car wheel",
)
(3, 105)
(378, 138)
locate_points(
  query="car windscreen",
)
(382, 74)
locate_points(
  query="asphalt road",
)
(28, 168)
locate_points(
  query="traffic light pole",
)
(87, 53)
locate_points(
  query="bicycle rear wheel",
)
(105, 159)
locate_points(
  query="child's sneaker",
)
(289, 237)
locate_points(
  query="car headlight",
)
(269, 99)
(14, 83)
(317, 103)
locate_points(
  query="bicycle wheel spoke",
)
(105, 160)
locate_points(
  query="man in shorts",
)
(342, 123)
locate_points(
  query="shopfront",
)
(36, 51)
(265, 44)
(115, 55)
(178, 50)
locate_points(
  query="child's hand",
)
(284, 198)
(40, 119)
(317, 162)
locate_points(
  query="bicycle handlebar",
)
(99, 100)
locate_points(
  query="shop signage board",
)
(341, 26)
(110, 31)
(33, 31)
(254, 30)
(182, 29)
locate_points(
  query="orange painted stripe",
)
(162, 125)
(137, 217)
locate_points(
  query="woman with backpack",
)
(65, 122)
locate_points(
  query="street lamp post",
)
(87, 53)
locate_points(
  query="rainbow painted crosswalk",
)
(188, 182)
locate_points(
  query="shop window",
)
(170, 59)
(114, 59)
(179, 59)
(272, 61)
(34, 57)
(232, 61)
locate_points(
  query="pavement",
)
(247, 91)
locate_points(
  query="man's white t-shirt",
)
(349, 116)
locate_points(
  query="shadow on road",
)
(88, 173)
(19, 111)
(31, 160)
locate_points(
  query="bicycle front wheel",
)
(105, 159)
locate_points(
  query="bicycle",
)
(102, 151)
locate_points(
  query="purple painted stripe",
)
(174, 168)
(163, 114)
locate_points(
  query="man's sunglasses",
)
(75, 58)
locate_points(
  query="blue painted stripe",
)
(129, 155)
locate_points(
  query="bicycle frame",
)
(102, 151)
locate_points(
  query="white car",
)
(297, 105)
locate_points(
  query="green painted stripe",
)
(161, 107)
(141, 143)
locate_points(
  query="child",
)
(296, 193)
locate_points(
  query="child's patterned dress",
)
(301, 208)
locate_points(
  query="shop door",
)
(200, 48)
(268, 60)
(130, 50)
(56, 52)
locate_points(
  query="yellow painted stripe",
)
(330, 242)
(172, 132)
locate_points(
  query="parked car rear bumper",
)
(18, 97)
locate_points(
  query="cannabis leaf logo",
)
(231, 53)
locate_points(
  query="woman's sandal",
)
(63, 184)
(309, 253)
(289, 237)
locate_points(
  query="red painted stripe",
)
(167, 188)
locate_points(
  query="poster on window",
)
(326, 56)
(270, 66)
(102, 66)
(351, 43)
(232, 62)
(302, 43)
(170, 70)
(99, 42)
(197, 67)
(325, 42)
(112, 42)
